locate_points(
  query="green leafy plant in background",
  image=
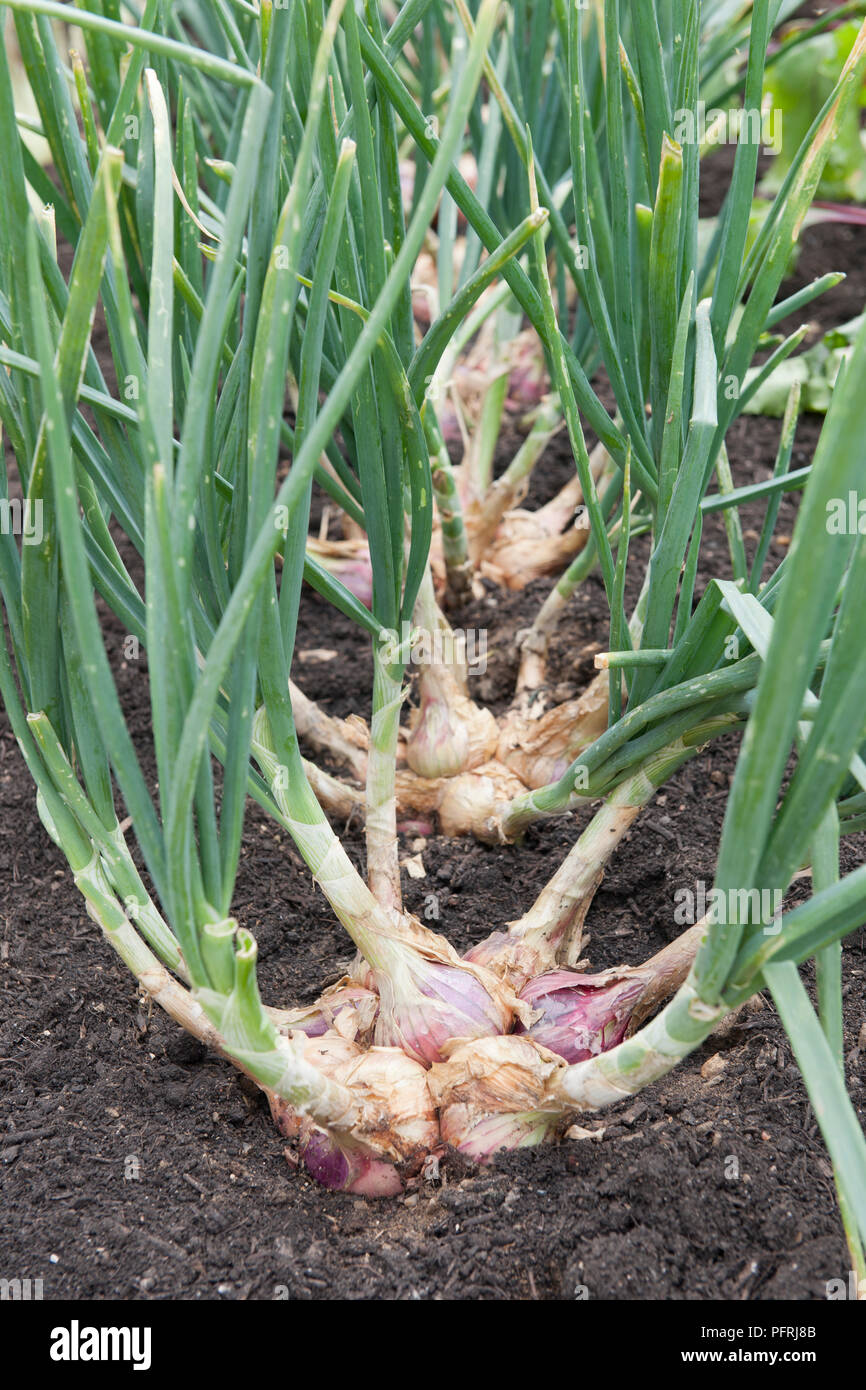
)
(814, 372)
(797, 86)
(482, 530)
(236, 209)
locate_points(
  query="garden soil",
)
(135, 1165)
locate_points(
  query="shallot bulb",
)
(581, 1015)
(496, 1094)
(389, 1131)
(347, 1007)
(439, 743)
(427, 1004)
(450, 734)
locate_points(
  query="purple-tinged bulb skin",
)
(527, 386)
(341, 1170)
(439, 744)
(489, 951)
(441, 1003)
(316, 1027)
(481, 1139)
(581, 1015)
(354, 572)
(423, 828)
(389, 1131)
(325, 1162)
(494, 1093)
(348, 1008)
(449, 425)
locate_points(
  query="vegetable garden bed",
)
(527, 828)
(645, 1213)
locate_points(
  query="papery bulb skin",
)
(581, 1015)
(357, 577)
(528, 382)
(426, 1005)
(474, 802)
(495, 1094)
(523, 550)
(481, 1139)
(439, 743)
(360, 974)
(450, 734)
(396, 1116)
(349, 561)
(348, 1007)
(347, 1170)
(539, 751)
(389, 1134)
(513, 957)
(490, 951)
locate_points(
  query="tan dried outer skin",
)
(539, 751)
(523, 550)
(493, 1077)
(558, 513)
(346, 1007)
(474, 802)
(419, 794)
(395, 1116)
(352, 549)
(474, 731)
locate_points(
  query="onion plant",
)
(228, 180)
(610, 190)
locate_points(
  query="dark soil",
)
(135, 1165)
